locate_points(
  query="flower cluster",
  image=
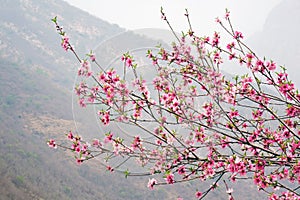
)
(84, 70)
(191, 121)
(52, 144)
(80, 147)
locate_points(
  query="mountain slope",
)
(279, 38)
(35, 104)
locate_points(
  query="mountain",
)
(279, 38)
(37, 78)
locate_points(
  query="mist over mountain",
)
(37, 77)
(279, 38)
(35, 104)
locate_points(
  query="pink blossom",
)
(273, 197)
(51, 143)
(181, 170)
(218, 20)
(151, 183)
(108, 138)
(233, 113)
(82, 102)
(229, 191)
(104, 117)
(286, 88)
(217, 58)
(257, 114)
(170, 178)
(292, 111)
(230, 197)
(84, 70)
(136, 142)
(259, 66)
(198, 194)
(137, 112)
(281, 78)
(256, 180)
(109, 168)
(249, 58)
(216, 39)
(96, 143)
(163, 16)
(79, 161)
(238, 35)
(65, 43)
(128, 62)
(271, 66)
(70, 135)
(230, 46)
(77, 148)
(199, 135)
(93, 57)
(227, 13)
(123, 58)
(206, 39)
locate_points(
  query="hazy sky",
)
(247, 15)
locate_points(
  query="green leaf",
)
(236, 77)
(283, 68)
(134, 66)
(54, 19)
(126, 173)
